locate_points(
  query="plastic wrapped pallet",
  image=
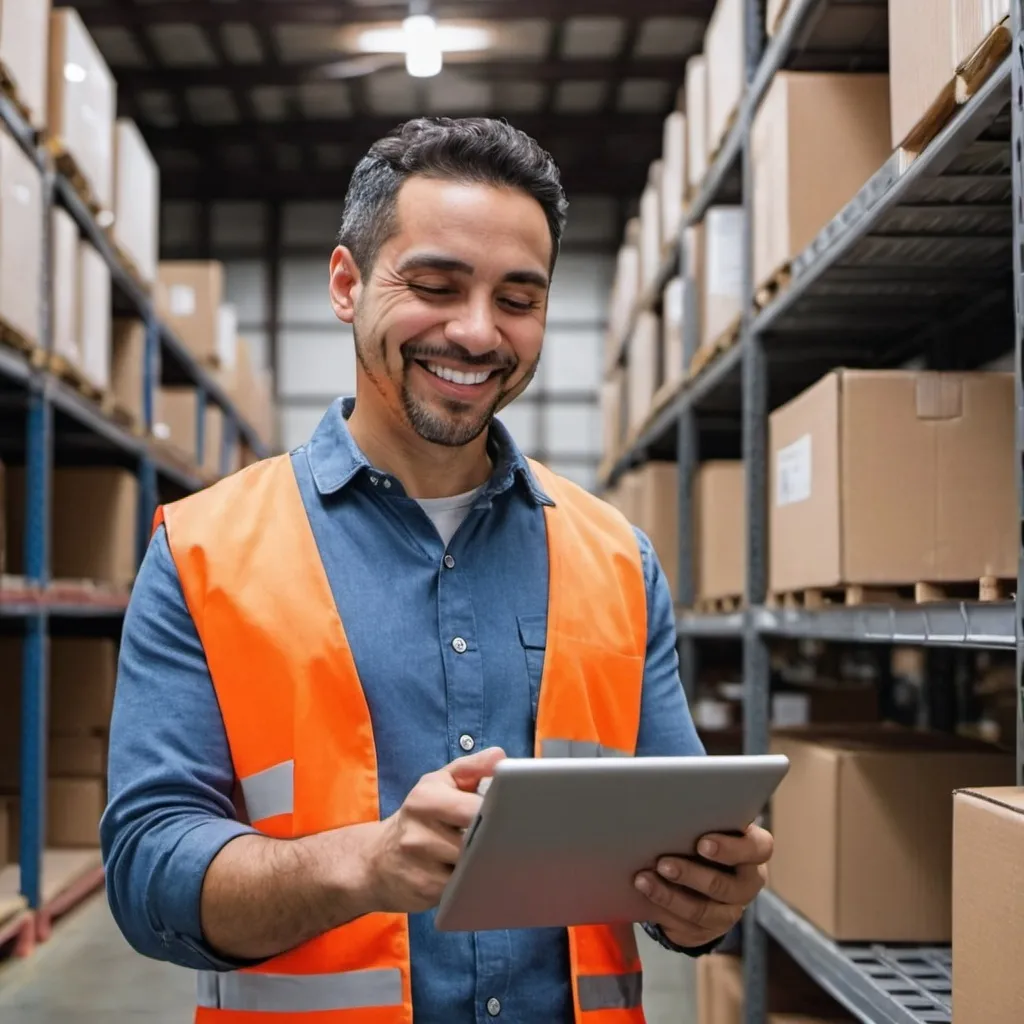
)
(94, 315)
(24, 29)
(136, 200)
(724, 45)
(644, 363)
(673, 176)
(696, 123)
(650, 228)
(673, 311)
(723, 270)
(625, 289)
(21, 247)
(66, 342)
(612, 395)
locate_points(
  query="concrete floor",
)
(87, 974)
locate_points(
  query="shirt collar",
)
(335, 459)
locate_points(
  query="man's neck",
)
(425, 470)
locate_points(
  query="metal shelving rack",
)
(46, 420)
(920, 254)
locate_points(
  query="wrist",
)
(344, 863)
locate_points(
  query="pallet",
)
(9, 87)
(706, 354)
(63, 368)
(17, 933)
(718, 605)
(13, 338)
(774, 286)
(986, 589)
(68, 166)
(125, 418)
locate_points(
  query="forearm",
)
(262, 896)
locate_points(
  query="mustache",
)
(490, 361)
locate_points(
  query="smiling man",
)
(325, 654)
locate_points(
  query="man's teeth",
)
(457, 376)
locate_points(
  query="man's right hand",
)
(413, 853)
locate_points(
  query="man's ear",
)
(346, 283)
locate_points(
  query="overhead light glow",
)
(451, 38)
(423, 55)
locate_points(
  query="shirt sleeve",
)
(170, 776)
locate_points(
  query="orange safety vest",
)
(302, 742)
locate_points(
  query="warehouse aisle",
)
(87, 974)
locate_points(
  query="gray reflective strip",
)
(610, 991)
(577, 748)
(270, 792)
(300, 993)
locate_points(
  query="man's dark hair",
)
(472, 149)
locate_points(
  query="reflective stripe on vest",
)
(301, 736)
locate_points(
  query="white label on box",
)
(724, 241)
(790, 710)
(182, 300)
(161, 431)
(793, 473)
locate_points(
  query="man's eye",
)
(426, 289)
(518, 306)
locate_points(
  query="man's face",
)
(449, 323)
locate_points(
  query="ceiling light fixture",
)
(424, 57)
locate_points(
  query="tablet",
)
(559, 841)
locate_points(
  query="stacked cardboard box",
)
(893, 477)
(136, 200)
(644, 368)
(696, 89)
(127, 363)
(719, 524)
(21, 248)
(722, 271)
(650, 227)
(64, 292)
(673, 176)
(24, 30)
(652, 504)
(176, 420)
(189, 296)
(673, 319)
(625, 289)
(725, 47)
(93, 302)
(612, 406)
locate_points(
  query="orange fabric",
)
(289, 690)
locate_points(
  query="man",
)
(325, 654)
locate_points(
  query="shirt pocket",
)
(533, 636)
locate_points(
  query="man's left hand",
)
(696, 903)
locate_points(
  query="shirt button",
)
(449, 562)
(373, 480)
(387, 485)
(493, 1007)
(459, 645)
(467, 742)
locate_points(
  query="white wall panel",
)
(259, 346)
(237, 224)
(246, 288)
(521, 418)
(305, 224)
(582, 473)
(305, 293)
(572, 430)
(298, 424)
(571, 360)
(320, 362)
(580, 289)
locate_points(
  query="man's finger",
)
(753, 847)
(434, 802)
(467, 772)
(722, 887)
(676, 905)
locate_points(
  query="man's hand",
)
(412, 856)
(695, 903)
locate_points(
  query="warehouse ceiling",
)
(266, 99)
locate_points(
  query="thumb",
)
(466, 772)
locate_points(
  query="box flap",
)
(940, 396)
(1011, 798)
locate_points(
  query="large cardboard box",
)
(78, 756)
(82, 101)
(650, 228)
(723, 270)
(988, 905)
(696, 88)
(644, 368)
(863, 828)
(612, 408)
(815, 141)
(629, 492)
(21, 248)
(188, 296)
(213, 439)
(82, 677)
(720, 528)
(673, 176)
(673, 313)
(24, 30)
(973, 20)
(74, 808)
(693, 256)
(94, 315)
(656, 509)
(893, 477)
(625, 289)
(725, 46)
(66, 342)
(176, 419)
(136, 199)
(127, 364)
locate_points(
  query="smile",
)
(458, 376)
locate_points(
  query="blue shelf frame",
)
(46, 398)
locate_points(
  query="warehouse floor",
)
(87, 974)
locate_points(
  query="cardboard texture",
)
(693, 253)
(629, 496)
(94, 519)
(673, 175)
(725, 46)
(82, 677)
(815, 141)
(78, 756)
(5, 830)
(673, 369)
(656, 512)
(66, 342)
(719, 519)
(696, 89)
(262, 411)
(650, 229)
(973, 20)
(644, 368)
(21, 252)
(136, 199)
(188, 297)
(612, 396)
(213, 439)
(176, 419)
(893, 477)
(624, 294)
(723, 270)
(94, 315)
(73, 811)
(24, 32)
(127, 363)
(82, 101)
(863, 828)
(988, 905)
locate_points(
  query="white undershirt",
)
(448, 514)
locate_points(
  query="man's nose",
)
(474, 327)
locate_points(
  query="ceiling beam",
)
(332, 12)
(551, 71)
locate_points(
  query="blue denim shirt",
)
(170, 774)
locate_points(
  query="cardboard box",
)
(720, 530)
(82, 104)
(78, 756)
(673, 369)
(66, 341)
(656, 509)
(893, 477)
(74, 808)
(82, 677)
(136, 199)
(863, 828)
(213, 439)
(693, 256)
(625, 289)
(644, 368)
(127, 364)
(24, 31)
(650, 228)
(21, 248)
(94, 315)
(612, 409)
(628, 498)
(725, 46)
(188, 297)
(973, 21)
(815, 142)
(673, 175)
(773, 15)
(696, 123)
(988, 905)
(723, 270)
(176, 420)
